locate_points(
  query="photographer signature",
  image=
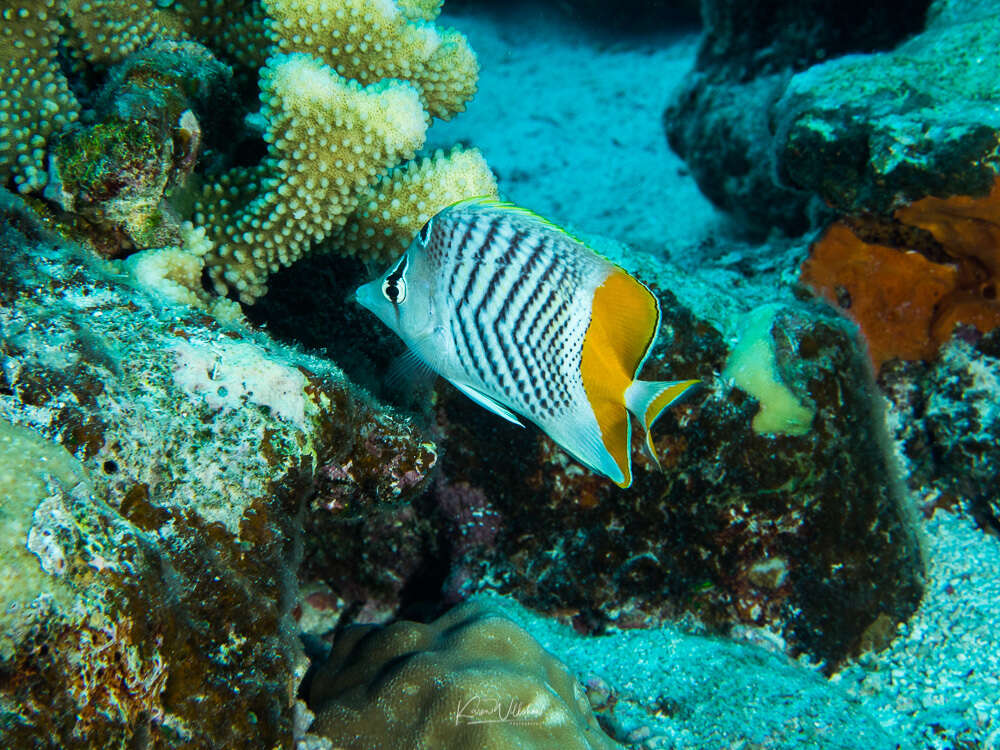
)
(479, 710)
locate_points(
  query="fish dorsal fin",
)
(487, 403)
(623, 322)
(486, 201)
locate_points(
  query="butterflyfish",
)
(526, 320)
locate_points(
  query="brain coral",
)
(472, 679)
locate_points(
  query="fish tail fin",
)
(647, 400)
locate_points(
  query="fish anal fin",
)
(648, 399)
(488, 403)
(616, 434)
(587, 443)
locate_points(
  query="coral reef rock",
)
(948, 420)
(840, 108)
(155, 470)
(143, 140)
(472, 679)
(779, 504)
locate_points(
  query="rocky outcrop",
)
(802, 107)
(156, 470)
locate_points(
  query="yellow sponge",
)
(753, 367)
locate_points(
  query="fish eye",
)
(425, 232)
(394, 290)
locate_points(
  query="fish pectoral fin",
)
(648, 399)
(488, 403)
(410, 370)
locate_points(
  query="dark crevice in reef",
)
(744, 39)
(311, 304)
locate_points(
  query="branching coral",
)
(103, 32)
(391, 212)
(909, 283)
(370, 41)
(328, 139)
(420, 10)
(347, 94)
(236, 30)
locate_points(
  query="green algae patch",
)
(95, 161)
(29, 579)
(752, 366)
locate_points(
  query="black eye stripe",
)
(394, 285)
(396, 275)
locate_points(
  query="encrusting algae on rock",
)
(154, 467)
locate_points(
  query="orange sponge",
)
(906, 302)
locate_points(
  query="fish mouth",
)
(366, 295)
